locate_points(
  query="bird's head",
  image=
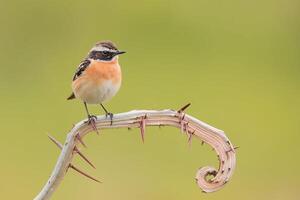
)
(105, 51)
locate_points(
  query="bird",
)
(98, 77)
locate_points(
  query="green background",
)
(236, 61)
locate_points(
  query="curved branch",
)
(140, 119)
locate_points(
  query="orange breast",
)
(102, 71)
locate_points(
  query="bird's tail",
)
(72, 96)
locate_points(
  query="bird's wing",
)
(82, 66)
(72, 96)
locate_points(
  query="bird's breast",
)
(99, 82)
(100, 72)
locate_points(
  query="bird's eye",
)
(105, 52)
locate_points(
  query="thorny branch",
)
(189, 125)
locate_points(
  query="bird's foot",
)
(92, 121)
(110, 115)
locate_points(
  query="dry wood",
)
(189, 125)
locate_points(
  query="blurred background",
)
(236, 61)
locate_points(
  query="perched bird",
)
(98, 77)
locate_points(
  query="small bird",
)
(98, 77)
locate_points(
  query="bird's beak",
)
(120, 52)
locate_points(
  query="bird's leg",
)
(91, 118)
(108, 114)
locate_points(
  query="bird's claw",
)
(111, 115)
(91, 119)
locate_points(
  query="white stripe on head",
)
(101, 48)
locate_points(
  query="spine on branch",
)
(189, 125)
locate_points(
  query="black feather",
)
(83, 65)
(72, 96)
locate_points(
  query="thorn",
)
(186, 127)
(57, 143)
(181, 127)
(143, 127)
(94, 127)
(80, 140)
(181, 118)
(183, 108)
(190, 138)
(83, 173)
(83, 157)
